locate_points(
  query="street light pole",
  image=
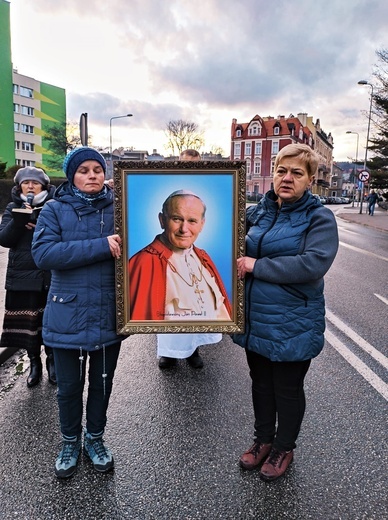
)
(110, 137)
(355, 167)
(364, 82)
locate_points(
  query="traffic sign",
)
(363, 176)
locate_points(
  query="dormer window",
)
(254, 129)
(276, 130)
(238, 133)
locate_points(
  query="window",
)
(248, 148)
(272, 166)
(28, 147)
(301, 134)
(23, 162)
(16, 127)
(275, 147)
(27, 111)
(16, 108)
(255, 129)
(237, 149)
(257, 168)
(26, 92)
(238, 133)
(276, 130)
(248, 167)
(27, 129)
(15, 88)
(258, 148)
(17, 145)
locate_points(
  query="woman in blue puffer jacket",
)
(75, 239)
(291, 243)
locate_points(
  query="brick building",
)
(258, 142)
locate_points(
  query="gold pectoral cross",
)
(199, 291)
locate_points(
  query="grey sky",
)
(208, 61)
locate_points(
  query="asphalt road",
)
(177, 435)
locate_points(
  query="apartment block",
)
(29, 109)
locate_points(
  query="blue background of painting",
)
(146, 194)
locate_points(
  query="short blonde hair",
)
(304, 152)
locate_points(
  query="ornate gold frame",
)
(121, 172)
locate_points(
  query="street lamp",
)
(110, 136)
(364, 82)
(355, 166)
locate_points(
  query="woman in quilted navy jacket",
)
(291, 243)
(75, 239)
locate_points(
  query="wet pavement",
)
(176, 436)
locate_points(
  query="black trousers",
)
(71, 373)
(278, 399)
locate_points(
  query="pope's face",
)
(89, 177)
(184, 221)
(291, 180)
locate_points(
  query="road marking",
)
(363, 251)
(344, 229)
(372, 351)
(368, 374)
(381, 298)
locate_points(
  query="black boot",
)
(35, 368)
(50, 366)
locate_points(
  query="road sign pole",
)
(363, 177)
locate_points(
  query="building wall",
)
(37, 108)
(7, 149)
(28, 109)
(258, 142)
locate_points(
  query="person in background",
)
(291, 242)
(75, 239)
(372, 199)
(171, 347)
(26, 285)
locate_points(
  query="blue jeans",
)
(277, 393)
(71, 374)
(372, 208)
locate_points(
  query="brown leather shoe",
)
(276, 464)
(251, 458)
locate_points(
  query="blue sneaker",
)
(67, 460)
(97, 452)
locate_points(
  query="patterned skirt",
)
(23, 315)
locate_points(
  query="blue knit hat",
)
(77, 157)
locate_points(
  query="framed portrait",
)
(182, 225)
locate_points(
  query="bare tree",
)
(182, 135)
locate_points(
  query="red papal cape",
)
(148, 278)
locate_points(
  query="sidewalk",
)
(379, 220)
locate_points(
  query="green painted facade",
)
(53, 112)
(48, 112)
(7, 136)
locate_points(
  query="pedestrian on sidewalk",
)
(372, 199)
(75, 239)
(291, 243)
(26, 285)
